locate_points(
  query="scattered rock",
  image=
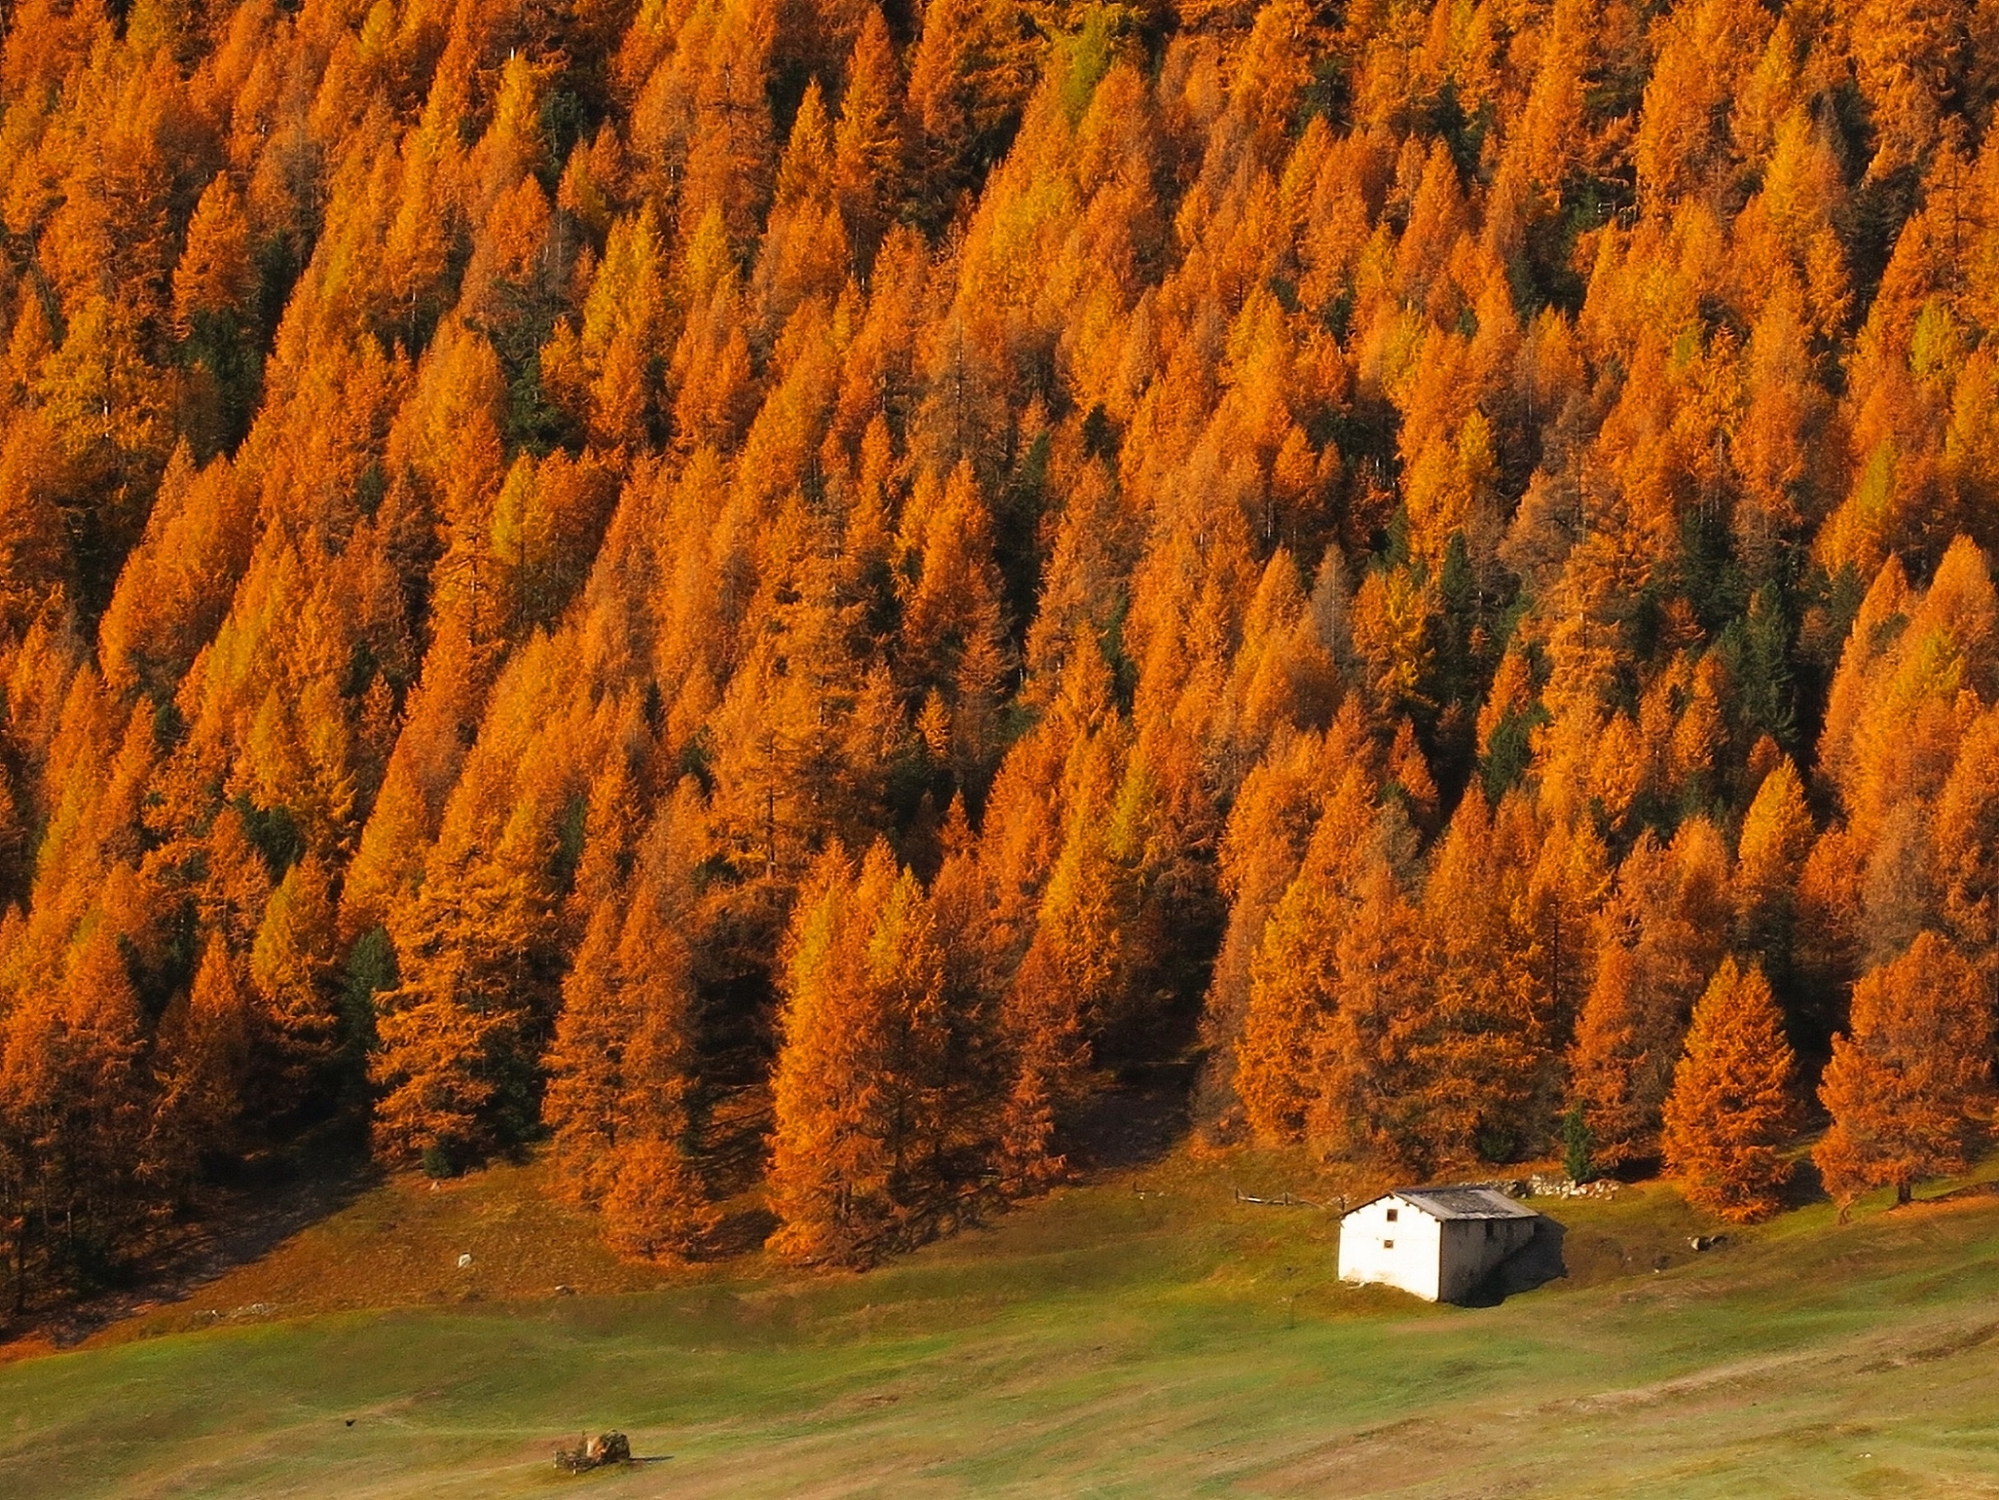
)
(1699, 1242)
(1544, 1185)
(564, 1289)
(465, 1261)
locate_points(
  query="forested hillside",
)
(562, 557)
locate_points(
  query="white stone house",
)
(1436, 1243)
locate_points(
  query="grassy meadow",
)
(1146, 1336)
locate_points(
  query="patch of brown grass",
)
(399, 1244)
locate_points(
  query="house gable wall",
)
(1406, 1253)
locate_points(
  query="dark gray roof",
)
(1461, 1203)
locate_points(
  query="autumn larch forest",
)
(564, 563)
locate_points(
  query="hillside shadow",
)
(742, 1232)
(1534, 1264)
(1133, 1123)
(734, 1138)
(231, 1226)
(1804, 1186)
(1963, 1194)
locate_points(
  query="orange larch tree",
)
(1777, 837)
(585, 1106)
(1483, 1043)
(76, 1104)
(1293, 983)
(854, 1149)
(657, 1204)
(1074, 969)
(201, 1062)
(1732, 1108)
(1665, 928)
(1366, 1108)
(1909, 1085)
(291, 965)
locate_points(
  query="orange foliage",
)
(854, 1150)
(1909, 1085)
(1321, 545)
(1731, 1108)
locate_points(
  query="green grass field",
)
(1102, 1342)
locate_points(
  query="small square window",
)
(1391, 1215)
(1388, 1244)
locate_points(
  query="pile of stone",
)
(605, 1448)
(1544, 1186)
(1540, 1185)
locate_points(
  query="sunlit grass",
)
(1100, 1342)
